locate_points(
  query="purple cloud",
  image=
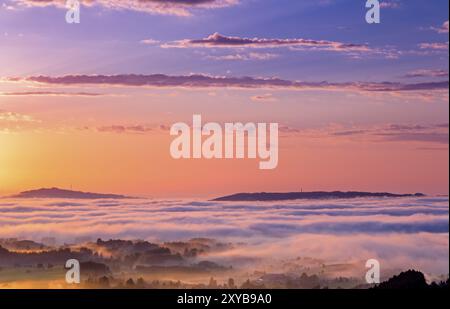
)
(124, 129)
(165, 7)
(432, 137)
(205, 81)
(244, 57)
(430, 133)
(441, 29)
(268, 97)
(217, 40)
(434, 46)
(427, 73)
(51, 93)
(394, 4)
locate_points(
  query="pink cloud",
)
(393, 4)
(442, 29)
(125, 129)
(244, 57)
(394, 230)
(427, 73)
(268, 97)
(434, 46)
(217, 40)
(11, 121)
(165, 7)
(433, 134)
(206, 81)
(51, 93)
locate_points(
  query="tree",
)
(130, 283)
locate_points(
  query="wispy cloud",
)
(121, 129)
(13, 122)
(7, 7)
(217, 40)
(150, 42)
(244, 57)
(14, 117)
(401, 133)
(206, 81)
(417, 133)
(51, 93)
(165, 7)
(434, 46)
(268, 97)
(423, 134)
(390, 4)
(432, 137)
(427, 73)
(442, 29)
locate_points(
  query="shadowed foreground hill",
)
(410, 279)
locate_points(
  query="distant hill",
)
(264, 196)
(69, 194)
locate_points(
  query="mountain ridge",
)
(316, 195)
(63, 193)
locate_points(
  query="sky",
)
(88, 106)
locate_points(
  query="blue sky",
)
(107, 41)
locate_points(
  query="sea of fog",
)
(400, 232)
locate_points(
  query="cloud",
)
(127, 128)
(432, 137)
(124, 129)
(336, 228)
(350, 132)
(51, 93)
(244, 57)
(288, 129)
(268, 97)
(206, 81)
(394, 230)
(402, 133)
(405, 127)
(11, 121)
(433, 148)
(393, 4)
(164, 7)
(433, 134)
(181, 219)
(150, 42)
(14, 117)
(217, 40)
(7, 7)
(427, 73)
(442, 29)
(443, 125)
(398, 87)
(434, 46)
